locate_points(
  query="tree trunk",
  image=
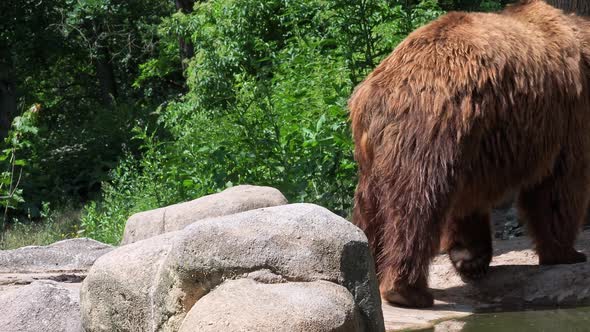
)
(580, 7)
(8, 104)
(106, 76)
(186, 47)
(103, 63)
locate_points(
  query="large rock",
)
(117, 295)
(40, 306)
(140, 287)
(67, 255)
(146, 224)
(246, 305)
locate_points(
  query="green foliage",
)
(490, 5)
(12, 161)
(474, 5)
(131, 190)
(367, 31)
(122, 124)
(56, 226)
(266, 105)
(53, 50)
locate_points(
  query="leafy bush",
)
(13, 160)
(266, 105)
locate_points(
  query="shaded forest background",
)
(110, 107)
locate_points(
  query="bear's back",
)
(527, 45)
(466, 77)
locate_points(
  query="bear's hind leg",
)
(468, 241)
(411, 240)
(364, 214)
(554, 210)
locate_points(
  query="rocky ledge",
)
(515, 282)
(40, 285)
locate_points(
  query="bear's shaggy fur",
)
(466, 109)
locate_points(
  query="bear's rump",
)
(498, 164)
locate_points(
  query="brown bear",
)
(466, 109)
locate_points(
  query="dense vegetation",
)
(112, 107)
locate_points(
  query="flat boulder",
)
(284, 251)
(40, 306)
(247, 305)
(175, 217)
(67, 255)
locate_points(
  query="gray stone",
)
(407, 319)
(67, 255)
(156, 282)
(13, 280)
(450, 326)
(117, 294)
(40, 306)
(246, 305)
(175, 217)
(506, 223)
(40, 285)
